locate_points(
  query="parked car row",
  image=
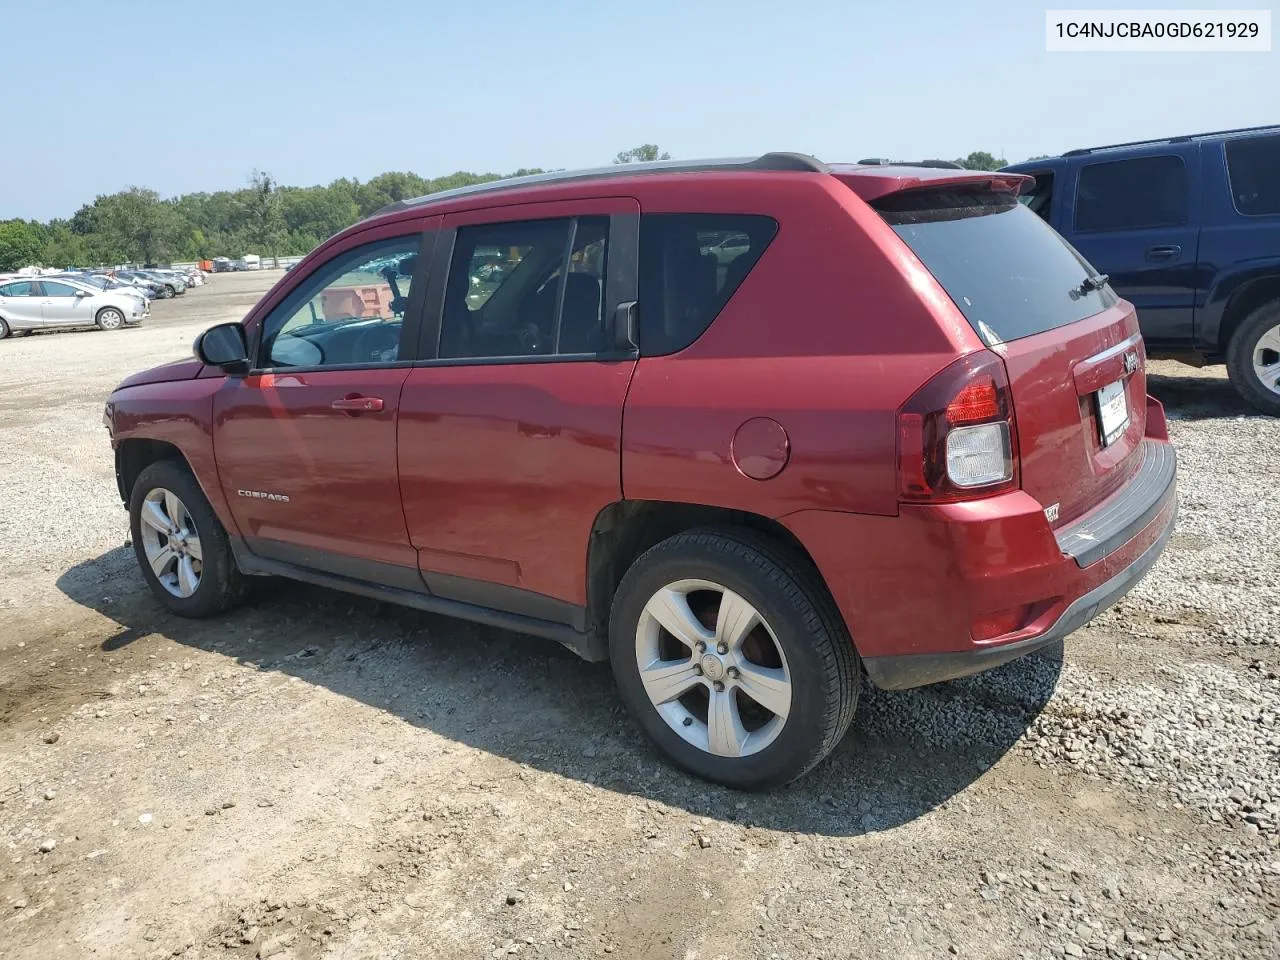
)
(106, 299)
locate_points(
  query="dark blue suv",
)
(1188, 230)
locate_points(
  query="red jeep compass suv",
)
(744, 428)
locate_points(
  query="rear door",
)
(20, 304)
(1137, 220)
(1071, 347)
(510, 435)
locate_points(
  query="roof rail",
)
(801, 162)
(1182, 138)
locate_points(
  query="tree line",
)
(137, 225)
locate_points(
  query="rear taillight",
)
(957, 439)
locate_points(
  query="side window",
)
(23, 288)
(1131, 194)
(52, 289)
(349, 311)
(1039, 197)
(1253, 166)
(525, 289)
(690, 265)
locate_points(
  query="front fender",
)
(178, 413)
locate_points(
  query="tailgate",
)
(1066, 384)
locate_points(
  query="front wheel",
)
(109, 318)
(182, 548)
(731, 656)
(4, 329)
(1253, 358)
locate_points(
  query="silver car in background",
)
(45, 303)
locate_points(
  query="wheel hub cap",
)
(712, 667)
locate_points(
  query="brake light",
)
(957, 438)
(976, 402)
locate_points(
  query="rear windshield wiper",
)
(1096, 282)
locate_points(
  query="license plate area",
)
(1113, 411)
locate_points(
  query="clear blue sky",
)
(311, 90)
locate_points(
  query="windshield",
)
(1008, 271)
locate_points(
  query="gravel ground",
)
(320, 776)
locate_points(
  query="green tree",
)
(1038, 156)
(981, 160)
(642, 153)
(21, 244)
(265, 224)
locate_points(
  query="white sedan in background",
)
(44, 303)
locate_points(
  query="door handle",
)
(1166, 251)
(355, 404)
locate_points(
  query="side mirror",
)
(224, 346)
(81, 294)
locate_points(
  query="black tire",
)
(222, 586)
(4, 328)
(107, 324)
(170, 291)
(1240, 359)
(786, 590)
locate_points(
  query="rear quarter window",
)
(690, 265)
(1253, 166)
(1007, 271)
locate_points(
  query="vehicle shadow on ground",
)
(532, 702)
(1198, 397)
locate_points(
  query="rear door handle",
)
(1168, 251)
(357, 404)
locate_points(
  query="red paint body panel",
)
(166, 372)
(1063, 460)
(179, 412)
(828, 351)
(278, 434)
(914, 583)
(504, 468)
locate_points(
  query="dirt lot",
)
(320, 776)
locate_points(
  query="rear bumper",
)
(927, 594)
(901, 673)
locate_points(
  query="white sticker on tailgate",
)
(1113, 411)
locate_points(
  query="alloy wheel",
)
(713, 668)
(171, 543)
(1266, 359)
(110, 319)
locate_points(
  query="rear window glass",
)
(690, 265)
(1007, 270)
(1132, 194)
(1254, 168)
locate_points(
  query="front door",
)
(510, 435)
(1137, 220)
(62, 305)
(306, 444)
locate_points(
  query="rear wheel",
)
(109, 318)
(182, 548)
(732, 658)
(1253, 358)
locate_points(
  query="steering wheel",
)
(373, 343)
